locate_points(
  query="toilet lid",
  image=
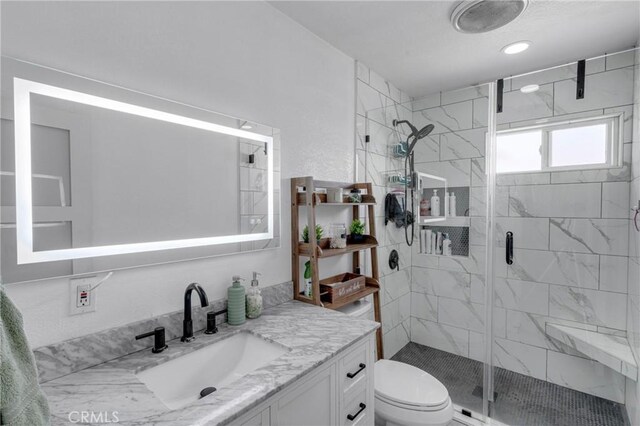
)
(408, 385)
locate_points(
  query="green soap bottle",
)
(236, 303)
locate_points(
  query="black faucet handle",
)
(159, 344)
(211, 323)
(212, 328)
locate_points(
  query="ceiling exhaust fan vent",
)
(481, 16)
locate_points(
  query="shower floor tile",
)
(521, 400)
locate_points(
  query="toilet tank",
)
(362, 308)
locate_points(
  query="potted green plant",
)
(357, 231)
(305, 233)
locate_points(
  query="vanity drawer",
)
(357, 410)
(355, 368)
(261, 419)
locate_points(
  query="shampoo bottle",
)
(446, 205)
(452, 205)
(434, 242)
(236, 312)
(435, 203)
(446, 245)
(424, 206)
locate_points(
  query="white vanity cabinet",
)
(338, 392)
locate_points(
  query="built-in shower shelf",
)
(459, 221)
(612, 351)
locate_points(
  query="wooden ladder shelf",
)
(314, 250)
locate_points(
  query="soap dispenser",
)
(254, 298)
(435, 203)
(236, 307)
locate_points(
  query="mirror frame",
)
(23, 175)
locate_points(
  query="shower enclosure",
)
(534, 318)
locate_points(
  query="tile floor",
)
(521, 400)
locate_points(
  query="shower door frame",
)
(490, 173)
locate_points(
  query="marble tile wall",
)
(571, 233)
(633, 275)
(378, 103)
(447, 310)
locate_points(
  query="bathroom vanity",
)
(296, 364)
(339, 392)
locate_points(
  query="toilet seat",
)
(408, 407)
(408, 387)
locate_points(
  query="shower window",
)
(589, 143)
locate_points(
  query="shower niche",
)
(443, 214)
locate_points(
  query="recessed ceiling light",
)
(530, 88)
(517, 47)
(247, 126)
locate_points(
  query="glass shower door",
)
(559, 174)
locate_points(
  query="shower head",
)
(425, 131)
(419, 134)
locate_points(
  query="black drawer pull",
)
(352, 417)
(352, 375)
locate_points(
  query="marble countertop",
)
(312, 334)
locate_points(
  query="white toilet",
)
(405, 395)
(408, 396)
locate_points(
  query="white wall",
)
(240, 58)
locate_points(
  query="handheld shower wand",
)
(409, 171)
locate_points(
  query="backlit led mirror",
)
(96, 177)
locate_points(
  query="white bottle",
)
(435, 203)
(452, 205)
(446, 205)
(439, 243)
(434, 242)
(446, 245)
(429, 238)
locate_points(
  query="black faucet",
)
(187, 324)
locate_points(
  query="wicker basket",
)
(339, 287)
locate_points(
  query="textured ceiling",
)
(413, 44)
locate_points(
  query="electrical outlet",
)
(81, 298)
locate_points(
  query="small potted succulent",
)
(357, 231)
(305, 233)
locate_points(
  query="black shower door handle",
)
(509, 250)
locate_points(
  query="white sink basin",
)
(178, 382)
